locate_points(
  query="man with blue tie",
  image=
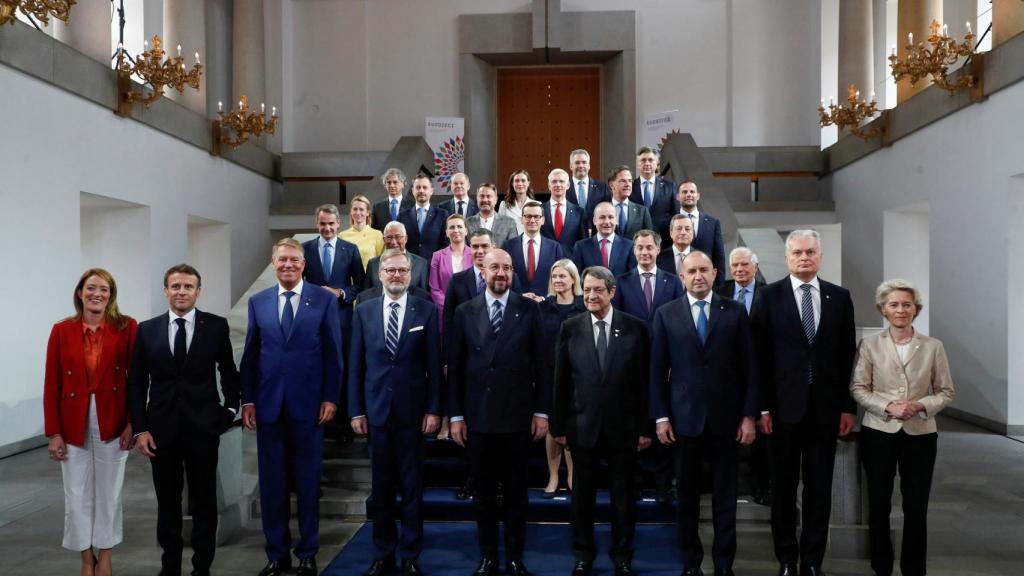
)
(425, 224)
(583, 190)
(291, 383)
(605, 248)
(388, 209)
(707, 230)
(630, 216)
(460, 203)
(703, 391)
(532, 254)
(564, 221)
(655, 193)
(394, 396)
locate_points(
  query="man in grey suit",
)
(502, 227)
(632, 217)
(396, 237)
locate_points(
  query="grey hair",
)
(570, 268)
(395, 224)
(601, 273)
(645, 233)
(393, 172)
(330, 209)
(392, 253)
(578, 152)
(558, 171)
(808, 233)
(743, 250)
(889, 286)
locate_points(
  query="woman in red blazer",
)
(85, 407)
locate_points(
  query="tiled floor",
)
(976, 519)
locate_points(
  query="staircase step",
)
(347, 472)
(339, 503)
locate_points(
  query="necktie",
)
(647, 194)
(460, 209)
(622, 218)
(602, 343)
(288, 315)
(481, 285)
(496, 316)
(679, 264)
(748, 298)
(394, 209)
(179, 342)
(421, 215)
(702, 322)
(531, 261)
(693, 222)
(391, 337)
(648, 292)
(807, 313)
(558, 220)
(581, 194)
(327, 261)
(604, 252)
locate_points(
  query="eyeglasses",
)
(396, 271)
(532, 216)
(393, 238)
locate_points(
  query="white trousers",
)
(93, 478)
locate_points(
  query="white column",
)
(248, 57)
(218, 55)
(184, 24)
(88, 30)
(855, 42)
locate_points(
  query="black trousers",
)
(621, 456)
(721, 452)
(806, 450)
(883, 453)
(190, 455)
(500, 458)
(396, 468)
(760, 468)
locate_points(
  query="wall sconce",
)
(851, 114)
(154, 70)
(935, 59)
(243, 123)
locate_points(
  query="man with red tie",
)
(563, 220)
(605, 248)
(532, 254)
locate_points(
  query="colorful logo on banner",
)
(445, 136)
(659, 126)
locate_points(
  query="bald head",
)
(497, 272)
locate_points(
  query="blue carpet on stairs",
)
(450, 549)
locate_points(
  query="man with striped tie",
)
(394, 396)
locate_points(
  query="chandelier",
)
(38, 9)
(851, 114)
(242, 123)
(934, 59)
(153, 69)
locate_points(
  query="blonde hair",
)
(570, 268)
(889, 286)
(111, 314)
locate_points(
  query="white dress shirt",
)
(695, 310)
(625, 212)
(294, 299)
(320, 249)
(695, 220)
(654, 276)
(798, 294)
(536, 248)
(607, 326)
(190, 328)
(486, 223)
(402, 301)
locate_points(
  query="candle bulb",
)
(968, 26)
(273, 110)
(145, 44)
(893, 50)
(945, 30)
(241, 106)
(857, 95)
(910, 38)
(220, 106)
(872, 96)
(197, 57)
(263, 108)
(179, 50)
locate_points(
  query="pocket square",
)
(416, 329)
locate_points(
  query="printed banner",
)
(658, 127)
(445, 138)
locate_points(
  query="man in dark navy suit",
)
(564, 221)
(644, 289)
(704, 400)
(630, 216)
(460, 202)
(605, 248)
(532, 254)
(806, 340)
(291, 384)
(394, 395)
(655, 193)
(707, 230)
(425, 224)
(583, 190)
(388, 209)
(671, 258)
(177, 413)
(499, 397)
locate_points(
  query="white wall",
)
(58, 151)
(360, 74)
(906, 254)
(964, 168)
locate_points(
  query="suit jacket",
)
(420, 272)
(164, 398)
(587, 253)
(709, 241)
(550, 252)
(667, 259)
(629, 296)
(495, 381)
(880, 377)
(589, 398)
(697, 385)
(785, 355)
(433, 237)
(382, 211)
(728, 290)
(449, 206)
(663, 204)
(66, 386)
(597, 192)
(637, 218)
(378, 291)
(503, 228)
(573, 225)
(462, 288)
(441, 271)
(290, 375)
(395, 390)
(346, 270)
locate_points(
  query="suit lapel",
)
(827, 309)
(198, 334)
(336, 261)
(163, 344)
(411, 320)
(717, 310)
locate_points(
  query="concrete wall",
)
(967, 169)
(741, 72)
(83, 187)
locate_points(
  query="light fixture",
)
(154, 70)
(243, 123)
(851, 114)
(934, 59)
(35, 9)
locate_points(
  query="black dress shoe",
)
(411, 568)
(516, 568)
(787, 569)
(693, 572)
(381, 567)
(582, 568)
(487, 567)
(623, 568)
(811, 571)
(276, 568)
(307, 567)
